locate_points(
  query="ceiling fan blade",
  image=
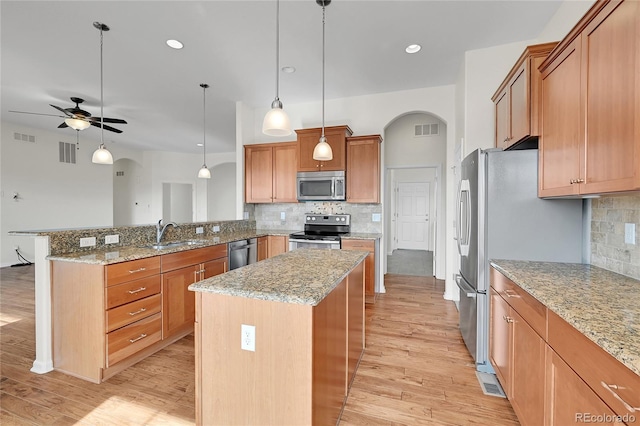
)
(107, 120)
(109, 128)
(67, 113)
(63, 125)
(37, 113)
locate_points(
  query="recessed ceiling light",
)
(199, 144)
(289, 70)
(175, 44)
(413, 48)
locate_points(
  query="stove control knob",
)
(308, 217)
(342, 219)
(313, 218)
(337, 219)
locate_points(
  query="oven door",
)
(317, 244)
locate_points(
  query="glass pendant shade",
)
(76, 124)
(322, 150)
(276, 121)
(102, 156)
(204, 172)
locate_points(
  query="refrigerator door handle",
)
(458, 217)
(464, 206)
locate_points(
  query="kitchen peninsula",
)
(300, 318)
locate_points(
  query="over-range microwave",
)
(321, 186)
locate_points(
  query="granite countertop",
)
(303, 276)
(362, 236)
(600, 304)
(127, 253)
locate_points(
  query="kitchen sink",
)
(171, 244)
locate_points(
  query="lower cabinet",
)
(277, 244)
(263, 245)
(370, 264)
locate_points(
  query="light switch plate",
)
(630, 233)
(216, 228)
(283, 216)
(200, 230)
(112, 239)
(87, 242)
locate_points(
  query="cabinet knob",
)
(579, 180)
(611, 388)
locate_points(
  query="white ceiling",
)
(51, 51)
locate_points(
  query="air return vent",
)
(67, 152)
(120, 173)
(24, 138)
(426, 129)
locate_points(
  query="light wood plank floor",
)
(415, 370)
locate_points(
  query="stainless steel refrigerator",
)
(499, 216)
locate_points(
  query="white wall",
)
(221, 196)
(365, 115)
(131, 193)
(568, 14)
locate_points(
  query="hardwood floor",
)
(415, 370)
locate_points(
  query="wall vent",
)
(120, 173)
(24, 138)
(426, 129)
(67, 152)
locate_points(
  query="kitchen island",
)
(306, 308)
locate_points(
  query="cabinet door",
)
(258, 167)
(337, 139)
(277, 244)
(284, 173)
(307, 140)
(355, 322)
(363, 170)
(560, 145)
(369, 264)
(527, 391)
(611, 88)
(306, 143)
(178, 303)
(262, 248)
(500, 340)
(503, 131)
(213, 268)
(569, 399)
(520, 105)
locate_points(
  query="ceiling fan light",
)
(276, 122)
(76, 123)
(322, 150)
(102, 156)
(204, 172)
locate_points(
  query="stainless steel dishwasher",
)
(242, 253)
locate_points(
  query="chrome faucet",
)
(160, 230)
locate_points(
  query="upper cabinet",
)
(307, 140)
(590, 136)
(270, 173)
(363, 169)
(517, 99)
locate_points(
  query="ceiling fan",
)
(79, 119)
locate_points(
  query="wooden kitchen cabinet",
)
(590, 103)
(308, 139)
(179, 271)
(277, 244)
(263, 245)
(369, 264)
(270, 173)
(500, 340)
(355, 321)
(517, 100)
(363, 169)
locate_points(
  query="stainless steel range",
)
(321, 231)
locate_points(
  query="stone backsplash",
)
(267, 216)
(608, 248)
(67, 241)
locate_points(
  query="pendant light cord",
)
(101, 95)
(204, 123)
(323, 7)
(278, 50)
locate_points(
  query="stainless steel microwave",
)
(321, 186)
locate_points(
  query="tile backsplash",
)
(268, 216)
(608, 248)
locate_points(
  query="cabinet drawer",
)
(192, 257)
(133, 290)
(133, 338)
(119, 273)
(134, 311)
(532, 311)
(364, 245)
(607, 376)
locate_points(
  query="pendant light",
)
(322, 150)
(276, 121)
(204, 172)
(102, 154)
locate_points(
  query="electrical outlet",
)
(112, 239)
(87, 242)
(283, 216)
(630, 233)
(376, 217)
(216, 228)
(248, 337)
(200, 230)
(245, 215)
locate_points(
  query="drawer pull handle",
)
(507, 319)
(510, 293)
(137, 291)
(142, 336)
(137, 270)
(137, 312)
(616, 396)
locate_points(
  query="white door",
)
(413, 216)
